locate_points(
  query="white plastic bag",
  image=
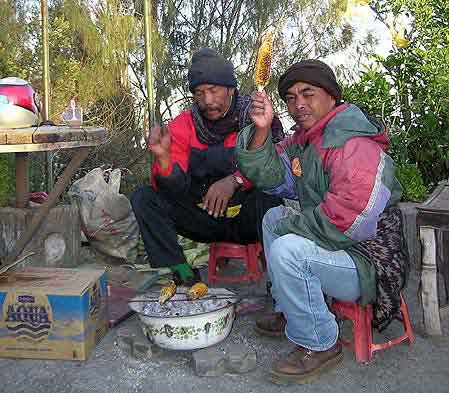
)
(107, 218)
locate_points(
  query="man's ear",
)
(231, 90)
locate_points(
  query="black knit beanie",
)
(314, 72)
(211, 68)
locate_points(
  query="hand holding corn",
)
(261, 113)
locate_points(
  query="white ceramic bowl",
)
(190, 331)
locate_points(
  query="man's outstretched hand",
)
(261, 113)
(159, 144)
(218, 196)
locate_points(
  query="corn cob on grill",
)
(167, 292)
(197, 291)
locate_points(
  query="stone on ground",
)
(134, 343)
(240, 359)
(209, 362)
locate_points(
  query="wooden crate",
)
(57, 242)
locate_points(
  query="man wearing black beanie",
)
(313, 72)
(346, 240)
(196, 189)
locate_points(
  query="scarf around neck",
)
(214, 132)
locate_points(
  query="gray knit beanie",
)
(211, 68)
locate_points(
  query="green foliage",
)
(371, 93)
(5, 180)
(97, 58)
(197, 254)
(12, 35)
(91, 44)
(236, 29)
(412, 182)
(409, 90)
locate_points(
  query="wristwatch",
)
(238, 180)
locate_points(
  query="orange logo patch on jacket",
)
(296, 167)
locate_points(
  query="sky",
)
(363, 19)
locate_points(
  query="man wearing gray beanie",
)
(346, 240)
(196, 189)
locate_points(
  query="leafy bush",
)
(371, 94)
(408, 90)
(412, 182)
(5, 180)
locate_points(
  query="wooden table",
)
(24, 141)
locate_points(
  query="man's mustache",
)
(209, 109)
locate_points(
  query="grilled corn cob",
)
(233, 211)
(197, 291)
(167, 292)
(263, 66)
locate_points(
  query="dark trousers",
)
(161, 218)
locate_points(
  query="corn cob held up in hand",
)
(167, 292)
(263, 66)
(197, 291)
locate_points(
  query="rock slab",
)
(215, 361)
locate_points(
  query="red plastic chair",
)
(362, 318)
(248, 253)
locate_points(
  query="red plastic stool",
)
(249, 253)
(361, 318)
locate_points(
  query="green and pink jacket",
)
(341, 175)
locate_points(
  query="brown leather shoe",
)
(304, 366)
(272, 325)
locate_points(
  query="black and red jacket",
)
(194, 166)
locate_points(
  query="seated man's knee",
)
(291, 251)
(271, 217)
(142, 197)
(136, 197)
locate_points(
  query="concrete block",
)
(209, 362)
(142, 349)
(134, 343)
(234, 359)
(125, 344)
(240, 359)
(57, 243)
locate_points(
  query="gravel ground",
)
(423, 367)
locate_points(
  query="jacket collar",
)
(305, 136)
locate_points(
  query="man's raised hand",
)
(159, 144)
(261, 113)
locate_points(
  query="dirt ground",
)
(423, 367)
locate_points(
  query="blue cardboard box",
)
(52, 313)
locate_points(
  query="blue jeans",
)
(300, 272)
